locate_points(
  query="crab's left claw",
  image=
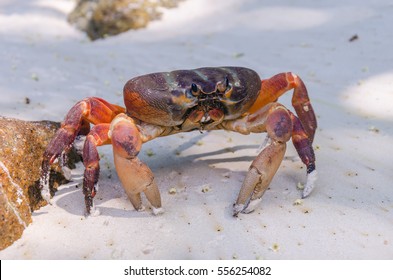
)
(278, 125)
(135, 176)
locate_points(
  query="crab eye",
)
(223, 86)
(194, 89)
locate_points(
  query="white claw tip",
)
(310, 184)
(157, 211)
(252, 205)
(237, 208)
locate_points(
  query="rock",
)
(22, 145)
(101, 18)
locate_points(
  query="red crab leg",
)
(273, 88)
(135, 176)
(306, 153)
(97, 136)
(90, 110)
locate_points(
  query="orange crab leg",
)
(135, 176)
(274, 119)
(273, 88)
(90, 110)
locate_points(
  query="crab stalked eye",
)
(223, 86)
(194, 89)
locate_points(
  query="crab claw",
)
(237, 208)
(247, 208)
(136, 177)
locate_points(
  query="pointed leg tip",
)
(306, 192)
(310, 184)
(95, 212)
(92, 212)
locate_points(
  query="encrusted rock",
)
(22, 145)
(100, 18)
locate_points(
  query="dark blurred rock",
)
(22, 145)
(101, 18)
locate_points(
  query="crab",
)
(167, 103)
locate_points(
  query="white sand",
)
(348, 216)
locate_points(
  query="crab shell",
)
(166, 98)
